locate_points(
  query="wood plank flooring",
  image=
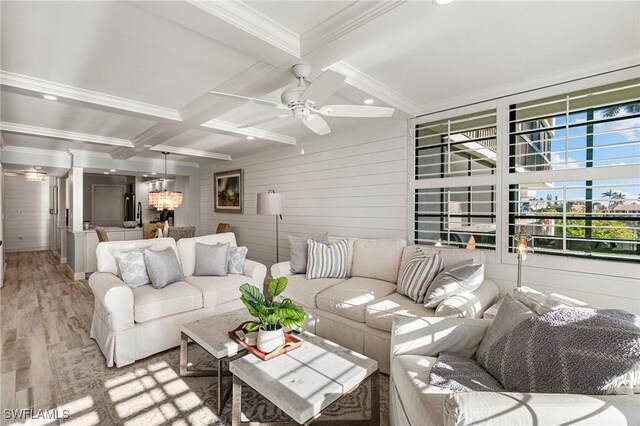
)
(42, 313)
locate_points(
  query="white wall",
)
(350, 183)
(355, 184)
(26, 221)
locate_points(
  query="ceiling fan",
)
(304, 101)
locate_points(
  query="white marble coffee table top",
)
(306, 380)
(212, 334)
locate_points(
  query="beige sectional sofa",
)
(358, 312)
(129, 325)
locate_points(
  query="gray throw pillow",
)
(212, 260)
(132, 268)
(298, 248)
(456, 280)
(163, 267)
(510, 314)
(235, 263)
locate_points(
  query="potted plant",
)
(272, 315)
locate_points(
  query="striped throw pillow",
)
(326, 260)
(418, 274)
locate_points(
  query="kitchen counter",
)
(112, 228)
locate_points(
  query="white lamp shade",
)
(270, 203)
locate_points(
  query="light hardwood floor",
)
(43, 313)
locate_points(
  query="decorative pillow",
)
(327, 260)
(448, 283)
(235, 263)
(212, 260)
(298, 249)
(568, 350)
(132, 268)
(418, 274)
(163, 267)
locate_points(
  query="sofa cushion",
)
(450, 256)
(304, 291)
(150, 303)
(380, 313)
(377, 259)
(217, 290)
(105, 251)
(349, 298)
(187, 248)
(423, 403)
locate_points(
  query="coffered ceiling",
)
(132, 78)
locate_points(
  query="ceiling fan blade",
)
(317, 125)
(323, 87)
(249, 99)
(264, 120)
(356, 111)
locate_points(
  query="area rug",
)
(151, 392)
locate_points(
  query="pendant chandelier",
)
(165, 200)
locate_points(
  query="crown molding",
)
(84, 153)
(233, 129)
(63, 134)
(249, 20)
(35, 151)
(191, 152)
(344, 22)
(160, 161)
(37, 86)
(375, 88)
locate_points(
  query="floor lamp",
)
(521, 248)
(270, 203)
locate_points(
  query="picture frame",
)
(228, 192)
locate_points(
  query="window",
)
(575, 158)
(566, 167)
(455, 163)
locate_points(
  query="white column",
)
(76, 177)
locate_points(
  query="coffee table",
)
(306, 381)
(212, 335)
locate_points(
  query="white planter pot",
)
(268, 340)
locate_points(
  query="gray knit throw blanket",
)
(569, 350)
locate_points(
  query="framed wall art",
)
(228, 191)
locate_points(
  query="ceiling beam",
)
(234, 130)
(191, 152)
(36, 87)
(63, 134)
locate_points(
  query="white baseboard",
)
(63, 260)
(76, 276)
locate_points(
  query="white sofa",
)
(358, 312)
(416, 344)
(132, 324)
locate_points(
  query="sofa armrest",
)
(257, 272)
(428, 336)
(507, 408)
(282, 269)
(113, 300)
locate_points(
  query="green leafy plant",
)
(272, 315)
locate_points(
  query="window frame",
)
(502, 179)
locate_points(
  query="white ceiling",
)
(134, 74)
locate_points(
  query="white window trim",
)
(503, 179)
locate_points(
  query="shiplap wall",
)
(26, 209)
(354, 183)
(350, 183)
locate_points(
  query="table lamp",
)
(271, 203)
(521, 241)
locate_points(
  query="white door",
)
(108, 205)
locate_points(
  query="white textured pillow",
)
(459, 279)
(327, 260)
(418, 274)
(235, 262)
(132, 268)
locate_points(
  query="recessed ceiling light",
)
(145, 175)
(250, 138)
(50, 97)
(441, 2)
(368, 101)
(37, 167)
(112, 171)
(154, 173)
(106, 173)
